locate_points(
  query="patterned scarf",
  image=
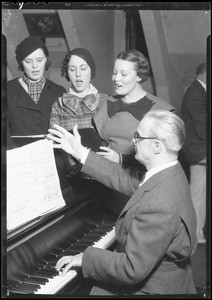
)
(81, 106)
(34, 88)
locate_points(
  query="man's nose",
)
(133, 142)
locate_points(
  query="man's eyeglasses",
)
(137, 138)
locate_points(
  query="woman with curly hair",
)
(78, 105)
(82, 100)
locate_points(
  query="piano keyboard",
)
(101, 237)
(56, 284)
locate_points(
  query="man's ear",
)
(157, 147)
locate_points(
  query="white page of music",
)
(33, 186)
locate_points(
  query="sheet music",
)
(33, 187)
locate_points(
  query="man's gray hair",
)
(168, 128)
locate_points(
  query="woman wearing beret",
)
(79, 105)
(119, 116)
(30, 97)
(82, 100)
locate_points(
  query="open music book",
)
(33, 187)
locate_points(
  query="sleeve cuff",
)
(84, 156)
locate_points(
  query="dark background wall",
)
(174, 40)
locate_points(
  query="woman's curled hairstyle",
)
(140, 61)
(82, 53)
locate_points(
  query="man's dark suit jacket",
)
(194, 116)
(156, 234)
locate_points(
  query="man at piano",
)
(156, 230)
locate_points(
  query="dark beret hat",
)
(26, 47)
(86, 56)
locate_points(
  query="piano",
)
(32, 250)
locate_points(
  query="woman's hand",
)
(109, 154)
(67, 262)
(71, 143)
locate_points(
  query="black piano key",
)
(72, 252)
(21, 276)
(52, 269)
(67, 246)
(53, 257)
(36, 280)
(93, 236)
(71, 239)
(42, 266)
(103, 228)
(53, 263)
(27, 278)
(39, 265)
(14, 293)
(49, 262)
(26, 288)
(90, 227)
(97, 233)
(48, 272)
(60, 250)
(82, 244)
(89, 240)
(55, 251)
(77, 235)
(45, 263)
(83, 230)
(100, 233)
(108, 222)
(64, 245)
(43, 274)
(71, 244)
(50, 256)
(13, 283)
(80, 248)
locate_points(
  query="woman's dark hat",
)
(26, 47)
(86, 56)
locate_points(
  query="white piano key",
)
(106, 240)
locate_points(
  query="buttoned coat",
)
(156, 234)
(24, 116)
